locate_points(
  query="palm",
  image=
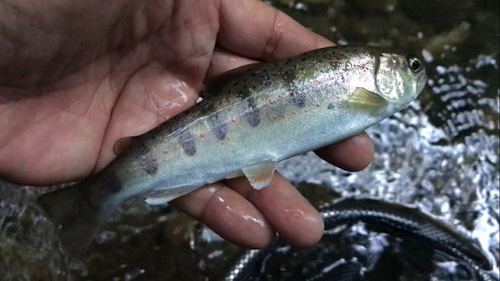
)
(76, 76)
(69, 131)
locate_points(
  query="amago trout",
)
(269, 113)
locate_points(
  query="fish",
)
(245, 126)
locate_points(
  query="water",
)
(441, 154)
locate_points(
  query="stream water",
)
(440, 154)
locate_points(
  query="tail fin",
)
(78, 221)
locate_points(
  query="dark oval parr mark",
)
(219, 131)
(146, 161)
(188, 143)
(299, 99)
(149, 164)
(219, 128)
(252, 115)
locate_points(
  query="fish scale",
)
(268, 113)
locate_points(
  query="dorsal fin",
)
(215, 84)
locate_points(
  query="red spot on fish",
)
(202, 135)
(233, 121)
(228, 139)
(338, 97)
(221, 143)
(280, 96)
(274, 118)
(291, 94)
(270, 101)
(165, 152)
(317, 105)
(282, 116)
(294, 113)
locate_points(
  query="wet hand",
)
(76, 76)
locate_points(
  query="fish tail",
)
(79, 221)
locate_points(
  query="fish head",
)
(399, 79)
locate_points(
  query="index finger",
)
(256, 30)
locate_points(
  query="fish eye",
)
(413, 62)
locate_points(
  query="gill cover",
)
(388, 79)
(399, 79)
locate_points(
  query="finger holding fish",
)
(352, 154)
(250, 218)
(291, 215)
(266, 34)
(229, 214)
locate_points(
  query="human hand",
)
(76, 76)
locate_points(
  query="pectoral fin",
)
(366, 101)
(260, 174)
(215, 84)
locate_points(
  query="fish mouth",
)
(421, 82)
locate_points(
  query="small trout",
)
(271, 112)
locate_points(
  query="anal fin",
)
(260, 174)
(162, 197)
(235, 175)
